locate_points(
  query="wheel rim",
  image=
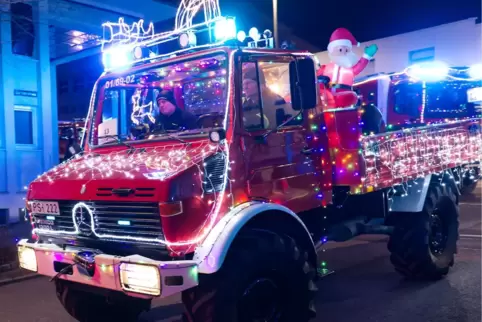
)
(438, 233)
(260, 302)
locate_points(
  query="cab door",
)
(281, 165)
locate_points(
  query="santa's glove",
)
(371, 50)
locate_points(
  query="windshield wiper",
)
(118, 138)
(169, 135)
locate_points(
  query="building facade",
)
(27, 136)
(456, 44)
(36, 39)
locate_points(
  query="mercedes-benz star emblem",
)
(83, 220)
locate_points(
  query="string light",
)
(402, 156)
(122, 33)
(139, 112)
(188, 9)
(424, 101)
(408, 72)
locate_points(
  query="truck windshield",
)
(177, 99)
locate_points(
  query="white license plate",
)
(45, 207)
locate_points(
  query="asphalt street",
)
(364, 286)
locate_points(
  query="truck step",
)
(324, 272)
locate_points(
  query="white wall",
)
(457, 44)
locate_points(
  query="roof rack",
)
(124, 45)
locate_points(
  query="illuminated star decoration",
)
(141, 111)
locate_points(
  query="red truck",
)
(229, 211)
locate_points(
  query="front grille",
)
(116, 219)
(136, 192)
(214, 172)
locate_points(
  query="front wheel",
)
(265, 277)
(90, 307)
(423, 245)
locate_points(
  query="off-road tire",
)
(409, 244)
(89, 307)
(255, 255)
(468, 185)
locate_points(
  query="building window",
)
(421, 55)
(22, 27)
(63, 86)
(3, 217)
(79, 84)
(23, 126)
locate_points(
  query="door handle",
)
(306, 151)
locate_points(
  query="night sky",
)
(314, 20)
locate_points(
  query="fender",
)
(414, 199)
(211, 254)
(417, 192)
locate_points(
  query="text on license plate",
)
(45, 207)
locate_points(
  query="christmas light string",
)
(413, 78)
(123, 36)
(424, 102)
(410, 154)
(141, 111)
(127, 34)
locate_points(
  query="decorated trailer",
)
(196, 177)
(425, 95)
(422, 94)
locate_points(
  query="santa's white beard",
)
(348, 60)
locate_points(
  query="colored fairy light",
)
(412, 153)
(424, 102)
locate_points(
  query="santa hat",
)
(342, 37)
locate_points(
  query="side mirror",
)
(303, 84)
(217, 136)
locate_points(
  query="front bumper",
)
(48, 259)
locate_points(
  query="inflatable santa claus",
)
(343, 68)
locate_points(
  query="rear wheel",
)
(469, 180)
(423, 245)
(91, 307)
(265, 277)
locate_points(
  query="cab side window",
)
(267, 96)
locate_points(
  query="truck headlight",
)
(140, 278)
(27, 258)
